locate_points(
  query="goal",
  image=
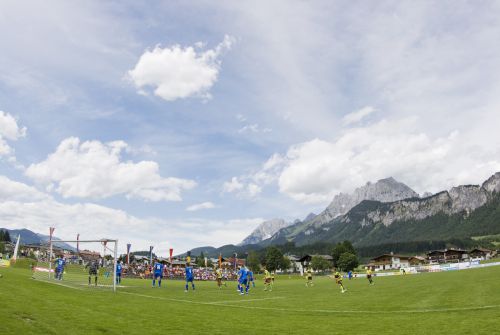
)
(92, 264)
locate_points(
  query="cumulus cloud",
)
(13, 190)
(178, 72)
(93, 169)
(9, 131)
(203, 205)
(357, 116)
(314, 171)
(24, 207)
(232, 186)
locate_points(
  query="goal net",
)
(91, 265)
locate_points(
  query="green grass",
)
(459, 302)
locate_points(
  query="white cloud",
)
(253, 190)
(357, 116)
(314, 171)
(9, 130)
(179, 72)
(12, 190)
(253, 128)
(203, 205)
(95, 170)
(28, 208)
(232, 186)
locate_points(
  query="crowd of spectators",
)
(144, 271)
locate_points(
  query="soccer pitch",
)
(458, 302)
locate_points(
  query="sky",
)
(181, 124)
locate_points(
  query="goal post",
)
(93, 263)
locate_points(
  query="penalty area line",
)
(60, 284)
(217, 303)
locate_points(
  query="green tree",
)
(347, 262)
(287, 263)
(340, 249)
(318, 263)
(274, 259)
(253, 261)
(7, 236)
(200, 261)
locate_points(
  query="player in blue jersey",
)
(243, 280)
(119, 272)
(189, 277)
(60, 263)
(250, 278)
(157, 272)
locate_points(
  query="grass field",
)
(458, 302)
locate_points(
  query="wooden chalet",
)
(389, 262)
(447, 256)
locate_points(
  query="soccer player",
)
(189, 277)
(119, 273)
(369, 276)
(218, 273)
(309, 278)
(243, 280)
(268, 284)
(250, 278)
(60, 263)
(157, 273)
(338, 280)
(349, 274)
(93, 266)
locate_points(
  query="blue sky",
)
(181, 124)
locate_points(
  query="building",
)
(304, 261)
(389, 262)
(447, 256)
(482, 254)
(417, 261)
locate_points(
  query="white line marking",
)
(244, 300)
(327, 311)
(61, 284)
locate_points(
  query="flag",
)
(206, 261)
(150, 254)
(128, 252)
(51, 232)
(16, 248)
(77, 244)
(235, 259)
(220, 260)
(188, 258)
(171, 253)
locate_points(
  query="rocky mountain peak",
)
(493, 183)
(264, 231)
(384, 190)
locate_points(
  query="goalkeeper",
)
(93, 266)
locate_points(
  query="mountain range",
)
(30, 237)
(388, 212)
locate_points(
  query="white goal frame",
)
(104, 243)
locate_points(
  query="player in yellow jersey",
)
(218, 273)
(338, 280)
(369, 275)
(309, 278)
(268, 284)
